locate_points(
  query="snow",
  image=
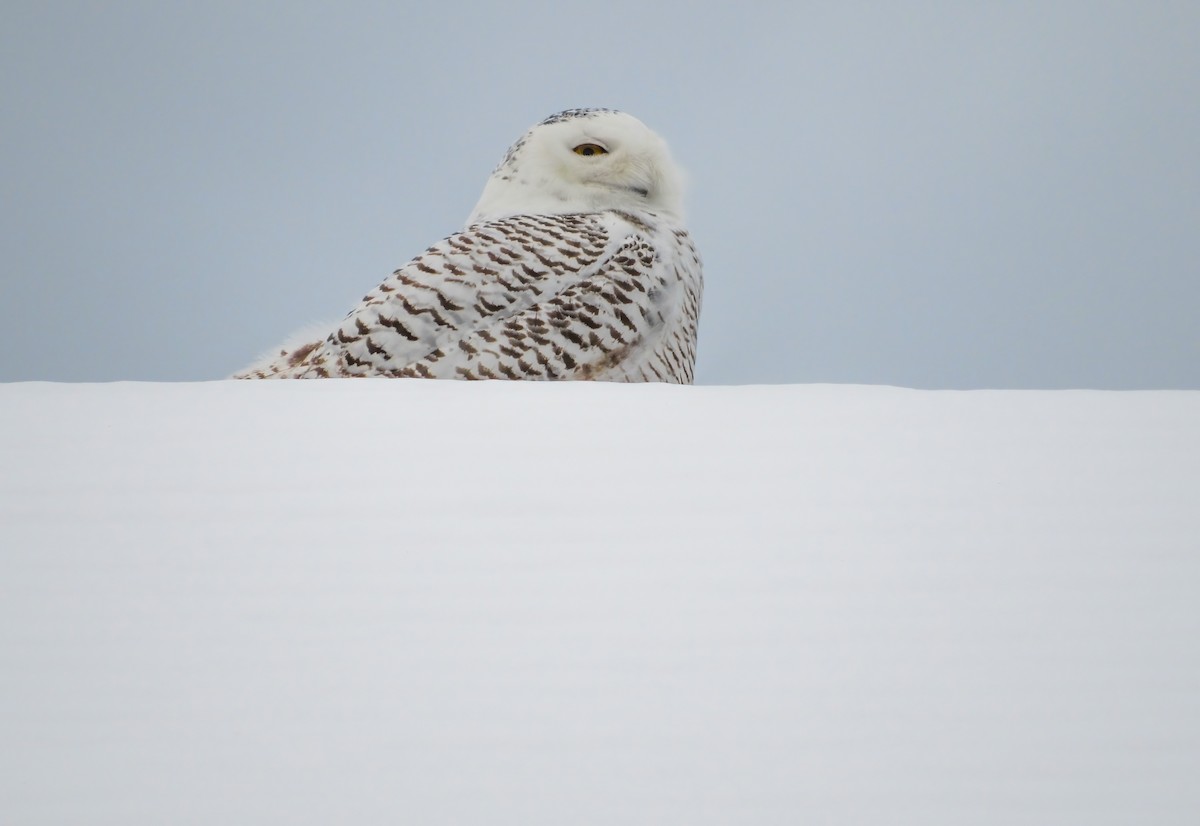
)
(509, 603)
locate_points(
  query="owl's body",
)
(574, 265)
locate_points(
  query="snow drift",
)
(425, 602)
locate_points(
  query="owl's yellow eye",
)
(590, 149)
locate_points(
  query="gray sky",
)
(923, 194)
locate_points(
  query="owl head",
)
(584, 160)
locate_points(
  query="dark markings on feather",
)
(669, 359)
(615, 296)
(395, 324)
(580, 329)
(301, 353)
(545, 261)
(434, 314)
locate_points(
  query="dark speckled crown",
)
(570, 114)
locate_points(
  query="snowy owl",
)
(573, 265)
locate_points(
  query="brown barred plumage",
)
(608, 291)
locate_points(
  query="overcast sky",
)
(924, 194)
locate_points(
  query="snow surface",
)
(506, 603)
